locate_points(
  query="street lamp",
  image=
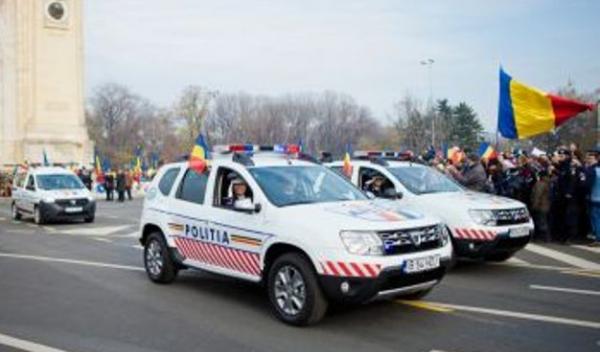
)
(429, 64)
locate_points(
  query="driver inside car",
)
(375, 186)
(238, 190)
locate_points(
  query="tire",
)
(498, 257)
(158, 261)
(38, 217)
(15, 212)
(89, 219)
(416, 295)
(295, 267)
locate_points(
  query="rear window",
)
(193, 187)
(167, 181)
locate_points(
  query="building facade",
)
(41, 82)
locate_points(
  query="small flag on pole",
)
(198, 160)
(46, 161)
(347, 167)
(487, 152)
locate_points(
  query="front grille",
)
(511, 216)
(79, 202)
(411, 240)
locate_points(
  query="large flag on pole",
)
(198, 160)
(524, 111)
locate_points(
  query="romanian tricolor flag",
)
(487, 152)
(97, 162)
(526, 111)
(198, 160)
(455, 155)
(347, 167)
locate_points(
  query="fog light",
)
(345, 287)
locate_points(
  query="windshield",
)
(60, 181)
(421, 180)
(290, 185)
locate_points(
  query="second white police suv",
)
(274, 216)
(481, 225)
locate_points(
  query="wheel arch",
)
(275, 250)
(149, 229)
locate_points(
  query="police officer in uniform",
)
(238, 192)
(375, 185)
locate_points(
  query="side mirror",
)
(246, 205)
(399, 195)
(30, 188)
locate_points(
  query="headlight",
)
(362, 242)
(91, 198)
(444, 234)
(483, 217)
(48, 200)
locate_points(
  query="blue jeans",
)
(595, 219)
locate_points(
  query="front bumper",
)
(391, 281)
(501, 243)
(53, 211)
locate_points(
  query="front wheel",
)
(15, 212)
(158, 262)
(38, 217)
(294, 292)
(89, 218)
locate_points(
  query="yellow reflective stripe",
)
(532, 110)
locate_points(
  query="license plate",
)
(422, 264)
(519, 232)
(73, 210)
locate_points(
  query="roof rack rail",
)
(242, 158)
(309, 158)
(379, 161)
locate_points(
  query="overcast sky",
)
(369, 49)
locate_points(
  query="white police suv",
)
(482, 225)
(51, 193)
(282, 219)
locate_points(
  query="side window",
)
(193, 187)
(229, 188)
(375, 182)
(166, 182)
(30, 183)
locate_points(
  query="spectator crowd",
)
(561, 189)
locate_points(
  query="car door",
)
(29, 194)
(245, 229)
(187, 219)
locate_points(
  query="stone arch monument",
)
(41, 82)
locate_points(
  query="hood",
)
(67, 193)
(469, 200)
(373, 215)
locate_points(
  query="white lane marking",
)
(520, 315)
(71, 261)
(517, 261)
(562, 257)
(2, 218)
(25, 345)
(102, 239)
(588, 248)
(564, 289)
(137, 246)
(95, 231)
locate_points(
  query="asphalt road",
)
(80, 287)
